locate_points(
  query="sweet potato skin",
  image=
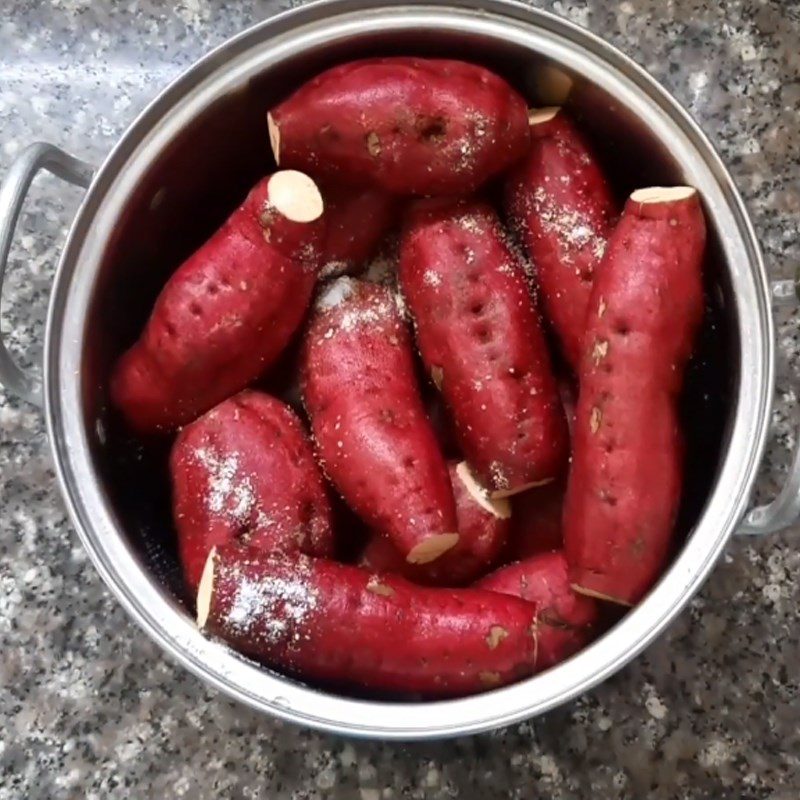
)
(482, 341)
(566, 619)
(625, 481)
(536, 524)
(245, 472)
(406, 125)
(357, 221)
(222, 318)
(360, 392)
(327, 621)
(482, 537)
(559, 204)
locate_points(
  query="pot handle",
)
(13, 192)
(784, 510)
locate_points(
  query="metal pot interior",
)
(190, 186)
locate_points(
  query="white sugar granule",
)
(278, 605)
(375, 312)
(229, 492)
(335, 293)
(572, 228)
(470, 223)
(333, 268)
(498, 475)
(431, 278)
(382, 270)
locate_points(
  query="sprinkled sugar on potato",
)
(245, 472)
(560, 205)
(406, 125)
(375, 441)
(333, 622)
(481, 339)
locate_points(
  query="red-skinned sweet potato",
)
(625, 482)
(407, 125)
(536, 525)
(560, 205)
(245, 472)
(322, 620)
(483, 526)
(376, 444)
(228, 311)
(482, 341)
(565, 620)
(357, 221)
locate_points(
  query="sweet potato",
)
(565, 620)
(326, 621)
(357, 220)
(560, 206)
(481, 339)
(245, 472)
(228, 311)
(625, 482)
(536, 521)
(482, 527)
(406, 125)
(376, 443)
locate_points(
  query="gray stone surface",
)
(90, 708)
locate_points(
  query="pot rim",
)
(150, 604)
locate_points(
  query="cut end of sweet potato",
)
(274, 138)
(295, 196)
(501, 494)
(536, 116)
(204, 589)
(499, 507)
(663, 194)
(432, 548)
(599, 595)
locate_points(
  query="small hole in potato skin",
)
(195, 310)
(408, 462)
(609, 499)
(212, 289)
(330, 133)
(476, 308)
(431, 128)
(622, 328)
(225, 283)
(170, 329)
(242, 532)
(483, 334)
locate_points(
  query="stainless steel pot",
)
(188, 158)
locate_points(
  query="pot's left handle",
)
(13, 191)
(784, 510)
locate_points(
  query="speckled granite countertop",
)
(90, 708)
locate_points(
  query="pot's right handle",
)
(12, 195)
(784, 510)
